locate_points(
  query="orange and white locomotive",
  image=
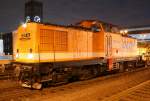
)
(56, 54)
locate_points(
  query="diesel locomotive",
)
(54, 54)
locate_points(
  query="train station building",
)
(141, 33)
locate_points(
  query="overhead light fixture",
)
(125, 31)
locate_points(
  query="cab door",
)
(108, 45)
(108, 53)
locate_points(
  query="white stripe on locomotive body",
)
(65, 56)
(58, 56)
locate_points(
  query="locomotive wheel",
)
(96, 71)
(59, 78)
(54, 77)
(85, 74)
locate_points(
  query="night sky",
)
(121, 12)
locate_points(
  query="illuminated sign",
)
(25, 36)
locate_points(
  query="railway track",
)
(6, 75)
(17, 93)
(140, 92)
(14, 94)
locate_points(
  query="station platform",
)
(5, 60)
(6, 57)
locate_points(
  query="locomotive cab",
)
(25, 54)
(24, 48)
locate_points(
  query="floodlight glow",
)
(24, 25)
(125, 31)
(121, 31)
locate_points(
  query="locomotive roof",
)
(93, 20)
(69, 26)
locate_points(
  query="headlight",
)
(30, 56)
(24, 25)
(17, 55)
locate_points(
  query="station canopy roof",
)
(140, 33)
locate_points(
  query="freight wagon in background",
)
(54, 54)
